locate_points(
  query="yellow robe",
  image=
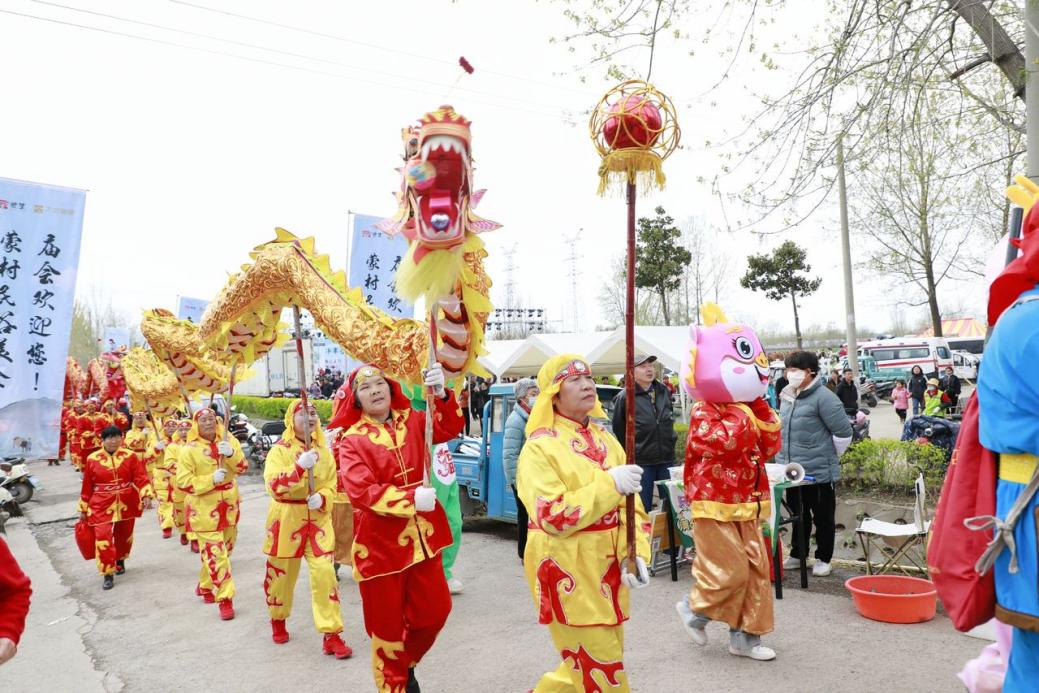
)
(209, 507)
(287, 520)
(578, 541)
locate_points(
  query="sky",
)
(197, 132)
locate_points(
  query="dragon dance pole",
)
(629, 375)
(303, 390)
(230, 396)
(633, 128)
(430, 401)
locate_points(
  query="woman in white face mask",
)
(815, 433)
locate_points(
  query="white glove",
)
(224, 448)
(635, 581)
(219, 475)
(425, 498)
(307, 459)
(160, 445)
(627, 478)
(434, 378)
(314, 501)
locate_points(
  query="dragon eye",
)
(743, 347)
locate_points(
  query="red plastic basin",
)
(893, 598)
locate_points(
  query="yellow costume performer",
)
(141, 440)
(177, 494)
(162, 477)
(206, 471)
(570, 477)
(299, 526)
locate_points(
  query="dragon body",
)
(176, 344)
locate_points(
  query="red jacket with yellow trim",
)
(382, 465)
(113, 486)
(725, 457)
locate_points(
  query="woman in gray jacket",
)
(816, 430)
(515, 436)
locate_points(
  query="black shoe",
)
(412, 686)
(337, 570)
(120, 567)
(108, 582)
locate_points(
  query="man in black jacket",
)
(654, 426)
(848, 392)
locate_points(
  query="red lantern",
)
(635, 123)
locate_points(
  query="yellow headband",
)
(550, 379)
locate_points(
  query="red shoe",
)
(194, 546)
(207, 595)
(167, 533)
(334, 645)
(226, 610)
(278, 632)
(183, 539)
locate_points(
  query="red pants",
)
(112, 542)
(403, 613)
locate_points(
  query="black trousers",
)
(465, 416)
(521, 524)
(818, 506)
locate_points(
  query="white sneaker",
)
(821, 569)
(455, 586)
(792, 563)
(758, 652)
(699, 635)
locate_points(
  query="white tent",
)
(526, 358)
(498, 352)
(666, 343)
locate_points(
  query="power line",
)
(244, 44)
(365, 44)
(274, 63)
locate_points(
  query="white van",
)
(932, 354)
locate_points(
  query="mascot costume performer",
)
(732, 433)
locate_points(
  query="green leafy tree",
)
(781, 274)
(660, 258)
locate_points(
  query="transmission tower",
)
(573, 273)
(510, 277)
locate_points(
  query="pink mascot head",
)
(725, 361)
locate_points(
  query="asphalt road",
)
(151, 633)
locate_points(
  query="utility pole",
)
(1031, 12)
(849, 295)
(573, 273)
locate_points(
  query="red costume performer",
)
(396, 550)
(89, 441)
(15, 590)
(114, 486)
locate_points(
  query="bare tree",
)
(91, 314)
(868, 63)
(613, 299)
(920, 217)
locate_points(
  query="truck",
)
(478, 461)
(278, 371)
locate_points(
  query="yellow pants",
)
(731, 571)
(592, 660)
(280, 583)
(215, 549)
(178, 514)
(165, 514)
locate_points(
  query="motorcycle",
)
(868, 392)
(238, 426)
(16, 480)
(860, 425)
(8, 508)
(263, 440)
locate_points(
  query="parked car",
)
(478, 461)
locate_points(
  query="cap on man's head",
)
(644, 358)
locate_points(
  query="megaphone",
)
(792, 473)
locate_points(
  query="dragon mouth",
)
(444, 160)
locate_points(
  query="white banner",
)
(191, 308)
(40, 228)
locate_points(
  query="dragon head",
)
(437, 174)
(725, 361)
